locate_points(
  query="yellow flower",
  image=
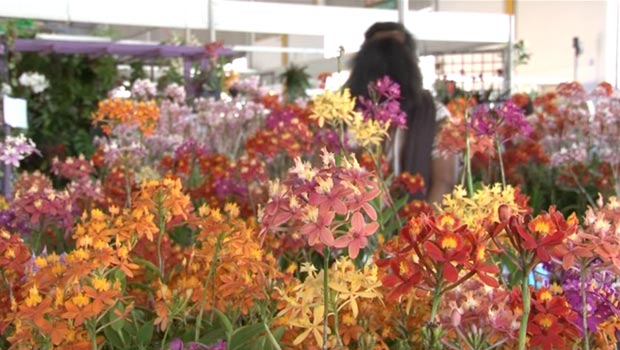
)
(368, 132)
(3, 203)
(59, 298)
(41, 262)
(333, 107)
(34, 298)
(484, 203)
(232, 209)
(101, 284)
(80, 300)
(315, 327)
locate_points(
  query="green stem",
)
(162, 229)
(273, 340)
(336, 328)
(343, 150)
(325, 294)
(385, 189)
(582, 189)
(127, 185)
(218, 246)
(584, 306)
(432, 326)
(163, 340)
(340, 57)
(501, 160)
(92, 332)
(525, 292)
(468, 174)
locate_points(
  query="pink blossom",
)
(356, 239)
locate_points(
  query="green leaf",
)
(212, 336)
(149, 266)
(112, 338)
(400, 203)
(145, 333)
(225, 322)
(117, 323)
(244, 334)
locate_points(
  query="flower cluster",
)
(33, 80)
(303, 308)
(383, 104)
(15, 148)
(143, 89)
(111, 112)
(176, 93)
(319, 202)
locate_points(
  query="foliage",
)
(59, 119)
(295, 81)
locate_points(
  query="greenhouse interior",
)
(310, 174)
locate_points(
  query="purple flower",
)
(176, 344)
(226, 187)
(279, 118)
(220, 345)
(601, 298)
(386, 87)
(514, 118)
(383, 104)
(487, 121)
(482, 121)
(14, 149)
(191, 146)
(330, 139)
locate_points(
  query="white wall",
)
(486, 6)
(262, 61)
(548, 28)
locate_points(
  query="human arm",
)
(444, 176)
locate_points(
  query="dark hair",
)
(388, 49)
(381, 27)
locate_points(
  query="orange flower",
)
(111, 112)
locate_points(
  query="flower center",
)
(448, 242)
(546, 322)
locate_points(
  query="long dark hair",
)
(389, 49)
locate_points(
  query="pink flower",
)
(319, 229)
(356, 239)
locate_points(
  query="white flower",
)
(6, 89)
(35, 81)
(144, 88)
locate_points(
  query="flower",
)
(15, 148)
(143, 89)
(35, 81)
(333, 107)
(356, 238)
(369, 132)
(383, 105)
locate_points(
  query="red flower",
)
(545, 332)
(404, 277)
(448, 248)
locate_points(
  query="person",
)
(389, 49)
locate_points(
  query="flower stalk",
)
(584, 305)
(325, 294)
